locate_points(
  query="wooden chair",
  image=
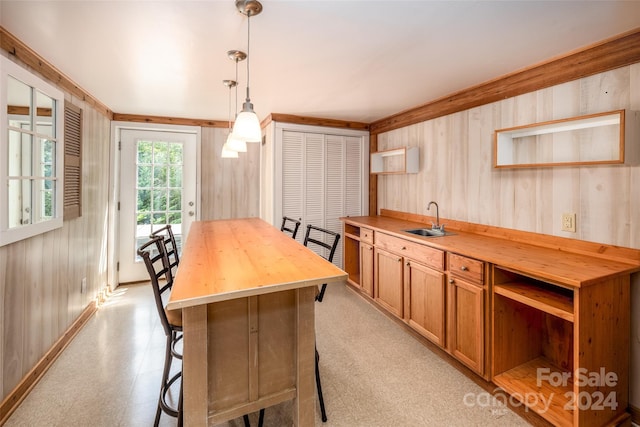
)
(158, 266)
(324, 239)
(290, 225)
(171, 248)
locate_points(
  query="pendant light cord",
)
(230, 106)
(248, 51)
(236, 109)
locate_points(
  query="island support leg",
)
(304, 404)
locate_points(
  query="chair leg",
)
(180, 412)
(165, 376)
(261, 419)
(320, 295)
(246, 420)
(319, 386)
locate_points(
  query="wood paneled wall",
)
(230, 187)
(456, 167)
(456, 171)
(40, 278)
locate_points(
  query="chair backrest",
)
(326, 239)
(155, 259)
(171, 248)
(290, 225)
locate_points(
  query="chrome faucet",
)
(437, 225)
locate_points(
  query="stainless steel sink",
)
(428, 232)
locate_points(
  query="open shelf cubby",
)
(533, 336)
(351, 260)
(352, 231)
(552, 402)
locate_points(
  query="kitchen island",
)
(246, 291)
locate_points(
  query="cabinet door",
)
(366, 268)
(425, 291)
(466, 323)
(388, 281)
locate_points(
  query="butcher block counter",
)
(546, 319)
(246, 291)
(557, 265)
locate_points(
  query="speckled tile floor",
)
(373, 373)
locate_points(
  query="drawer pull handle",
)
(464, 268)
(404, 247)
(452, 281)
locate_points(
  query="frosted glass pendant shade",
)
(236, 144)
(227, 153)
(247, 125)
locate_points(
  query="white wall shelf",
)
(396, 161)
(585, 140)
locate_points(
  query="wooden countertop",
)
(229, 259)
(554, 265)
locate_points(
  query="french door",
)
(157, 187)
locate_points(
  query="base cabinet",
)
(569, 347)
(466, 323)
(388, 281)
(558, 347)
(366, 268)
(425, 290)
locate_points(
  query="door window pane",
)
(159, 188)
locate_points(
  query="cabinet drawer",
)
(466, 268)
(426, 255)
(366, 235)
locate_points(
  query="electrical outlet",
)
(83, 285)
(569, 222)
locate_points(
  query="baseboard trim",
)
(20, 392)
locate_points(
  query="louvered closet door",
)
(353, 176)
(335, 189)
(292, 182)
(303, 179)
(314, 176)
(321, 181)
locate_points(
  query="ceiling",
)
(349, 60)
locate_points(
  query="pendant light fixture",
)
(228, 153)
(234, 143)
(247, 125)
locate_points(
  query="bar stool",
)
(170, 246)
(328, 240)
(324, 239)
(165, 245)
(155, 259)
(290, 228)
